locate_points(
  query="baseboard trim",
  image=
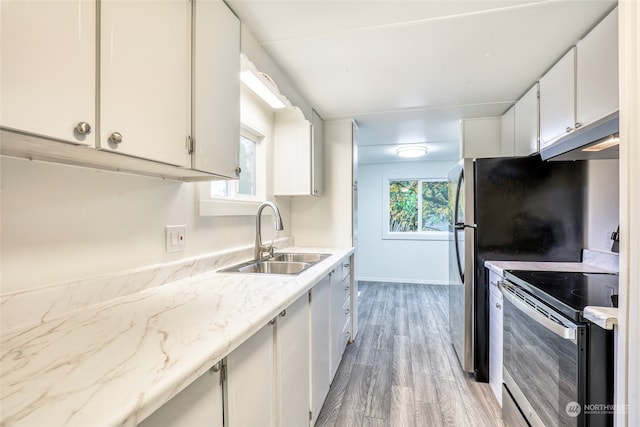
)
(400, 280)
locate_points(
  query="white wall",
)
(603, 199)
(415, 261)
(62, 223)
(327, 220)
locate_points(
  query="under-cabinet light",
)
(608, 142)
(262, 86)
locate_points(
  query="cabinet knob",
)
(115, 138)
(498, 305)
(283, 313)
(578, 125)
(238, 171)
(569, 129)
(83, 128)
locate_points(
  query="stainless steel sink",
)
(280, 263)
(298, 257)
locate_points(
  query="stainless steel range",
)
(558, 368)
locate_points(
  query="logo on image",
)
(573, 409)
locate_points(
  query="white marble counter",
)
(499, 266)
(115, 362)
(605, 317)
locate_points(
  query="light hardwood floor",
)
(401, 370)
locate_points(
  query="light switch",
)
(176, 238)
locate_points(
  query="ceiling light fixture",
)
(411, 151)
(262, 85)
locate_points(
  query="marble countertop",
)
(116, 362)
(605, 317)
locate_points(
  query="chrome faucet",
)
(259, 248)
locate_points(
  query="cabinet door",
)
(340, 308)
(317, 161)
(320, 346)
(597, 72)
(495, 336)
(292, 154)
(508, 132)
(480, 137)
(145, 83)
(198, 405)
(216, 88)
(526, 123)
(557, 100)
(48, 68)
(293, 364)
(251, 382)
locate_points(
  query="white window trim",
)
(405, 235)
(241, 205)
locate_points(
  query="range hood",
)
(595, 141)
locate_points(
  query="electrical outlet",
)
(176, 237)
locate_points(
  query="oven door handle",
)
(557, 328)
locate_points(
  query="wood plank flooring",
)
(401, 370)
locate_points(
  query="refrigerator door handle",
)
(458, 225)
(462, 226)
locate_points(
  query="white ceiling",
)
(408, 71)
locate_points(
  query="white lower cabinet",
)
(268, 375)
(280, 376)
(250, 382)
(340, 310)
(292, 355)
(495, 335)
(198, 405)
(320, 339)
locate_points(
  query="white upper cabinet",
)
(557, 100)
(145, 79)
(293, 154)
(317, 161)
(597, 72)
(508, 131)
(527, 123)
(480, 137)
(216, 88)
(583, 86)
(48, 69)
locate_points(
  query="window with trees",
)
(415, 208)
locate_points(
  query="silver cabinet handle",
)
(217, 367)
(115, 138)
(83, 128)
(238, 171)
(346, 265)
(578, 125)
(347, 311)
(283, 313)
(498, 305)
(569, 129)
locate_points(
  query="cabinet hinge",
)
(191, 144)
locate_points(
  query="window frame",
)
(239, 204)
(407, 235)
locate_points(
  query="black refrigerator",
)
(505, 209)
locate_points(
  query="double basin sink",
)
(279, 263)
